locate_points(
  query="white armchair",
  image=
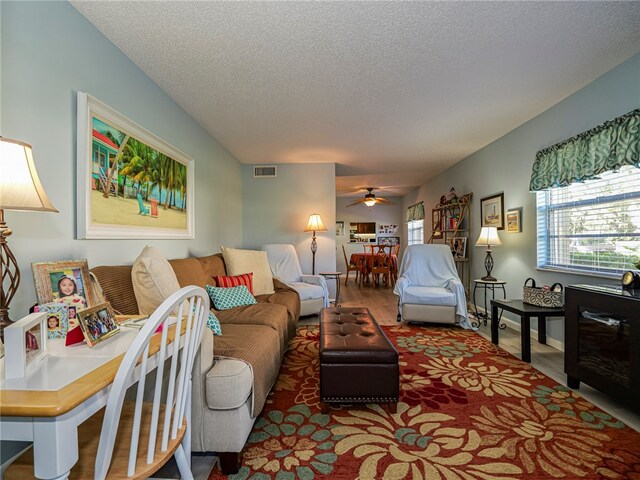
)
(429, 287)
(285, 266)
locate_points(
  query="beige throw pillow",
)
(239, 262)
(153, 280)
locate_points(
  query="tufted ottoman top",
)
(351, 335)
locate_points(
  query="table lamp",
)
(315, 225)
(20, 189)
(489, 237)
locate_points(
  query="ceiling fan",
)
(370, 200)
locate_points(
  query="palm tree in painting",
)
(137, 163)
(170, 180)
(182, 185)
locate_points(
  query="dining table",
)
(363, 262)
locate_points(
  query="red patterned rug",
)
(468, 410)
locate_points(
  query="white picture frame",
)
(19, 360)
(97, 219)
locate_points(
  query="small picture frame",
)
(25, 344)
(64, 282)
(388, 241)
(57, 318)
(492, 211)
(458, 247)
(514, 220)
(339, 229)
(436, 224)
(98, 323)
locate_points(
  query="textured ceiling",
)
(392, 92)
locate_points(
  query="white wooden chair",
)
(134, 439)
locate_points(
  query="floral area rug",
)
(468, 410)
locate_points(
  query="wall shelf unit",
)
(450, 225)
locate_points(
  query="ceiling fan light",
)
(370, 203)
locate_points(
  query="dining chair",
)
(368, 248)
(133, 439)
(351, 267)
(381, 265)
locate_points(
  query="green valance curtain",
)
(415, 212)
(606, 147)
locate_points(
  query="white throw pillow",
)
(153, 280)
(246, 261)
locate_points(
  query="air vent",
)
(265, 171)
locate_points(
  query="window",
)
(591, 227)
(415, 232)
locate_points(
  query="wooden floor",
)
(383, 305)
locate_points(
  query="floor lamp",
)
(488, 237)
(20, 189)
(315, 225)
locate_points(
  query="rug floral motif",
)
(468, 410)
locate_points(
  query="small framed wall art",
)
(492, 211)
(514, 220)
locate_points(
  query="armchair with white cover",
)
(285, 266)
(429, 288)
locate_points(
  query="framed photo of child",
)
(65, 282)
(98, 323)
(57, 318)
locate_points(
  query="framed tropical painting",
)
(131, 184)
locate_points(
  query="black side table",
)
(525, 311)
(486, 285)
(334, 276)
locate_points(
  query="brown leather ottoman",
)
(358, 363)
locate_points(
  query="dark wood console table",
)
(602, 340)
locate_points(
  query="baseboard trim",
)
(513, 325)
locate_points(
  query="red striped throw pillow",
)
(245, 279)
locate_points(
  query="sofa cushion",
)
(226, 281)
(287, 297)
(228, 384)
(257, 345)
(273, 316)
(153, 280)
(189, 272)
(213, 265)
(214, 324)
(307, 291)
(429, 296)
(117, 287)
(226, 298)
(244, 261)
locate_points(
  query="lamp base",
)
(9, 275)
(489, 278)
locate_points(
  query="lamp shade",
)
(20, 187)
(488, 237)
(315, 224)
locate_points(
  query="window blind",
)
(591, 227)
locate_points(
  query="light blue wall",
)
(49, 52)
(277, 210)
(505, 166)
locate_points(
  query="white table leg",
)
(55, 447)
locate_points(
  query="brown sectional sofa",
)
(234, 371)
